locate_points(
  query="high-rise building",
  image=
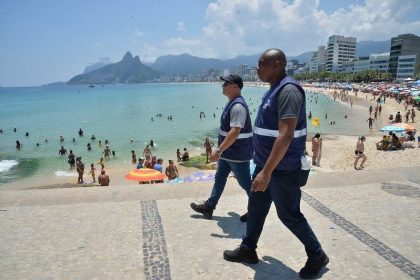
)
(361, 64)
(243, 69)
(379, 62)
(404, 44)
(406, 66)
(318, 60)
(340, 49)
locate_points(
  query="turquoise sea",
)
(120, 113)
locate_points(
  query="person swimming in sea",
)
(18, 145)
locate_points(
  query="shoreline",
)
(337, 155)
(338, 150)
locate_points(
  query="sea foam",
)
(6, 165)
(60, 173)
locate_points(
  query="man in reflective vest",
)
(279, 142)
(234, 149)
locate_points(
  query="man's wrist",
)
(218, 151)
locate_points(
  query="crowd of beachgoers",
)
(393, 104)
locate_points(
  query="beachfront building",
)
(340, 50)
(291, 67)
(361, 64)
(253, 74)
(302, 69)
(243, 70)
(379, 62)
(406, 66)
(403, 45)
(318, 60)
(355, 65)
(346, 67)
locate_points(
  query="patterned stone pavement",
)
(369, 228)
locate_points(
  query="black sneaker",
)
(203, 208)
(313, 267)
(244, 218)
(241, 254)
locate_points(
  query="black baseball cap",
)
(232, 78)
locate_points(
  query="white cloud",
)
(147, 52)
(247, 27)
(137, 33)
(178, 45)
(181, 26)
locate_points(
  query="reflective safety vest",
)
(241, 149)
(266, 130)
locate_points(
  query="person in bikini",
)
(171, 171)
(147, 151)
(208, 146)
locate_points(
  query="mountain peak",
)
(128, 56)
(128, 70)
(137, 59)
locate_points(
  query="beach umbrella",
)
(417, 98)
(392, 128)
(415, 93)
(144, 174)
(406, 126)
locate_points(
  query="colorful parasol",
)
(406, 126)
(392, 128)
(144, 174)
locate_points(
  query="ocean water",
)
(120, 113)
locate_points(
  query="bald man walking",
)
(279, 144)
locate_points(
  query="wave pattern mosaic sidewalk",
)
(392, 256)
(155, 253)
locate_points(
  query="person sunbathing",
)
(383, 144)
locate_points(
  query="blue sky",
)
(44, 41)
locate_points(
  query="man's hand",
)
(260, 182)
(215, 156)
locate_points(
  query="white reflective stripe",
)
(275, 133)
(266, 132)
(240, 136)
(300, 133)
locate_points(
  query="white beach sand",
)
(338, 151)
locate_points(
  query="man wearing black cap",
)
(234, 149)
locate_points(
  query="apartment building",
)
(403, 45)
(340, 50)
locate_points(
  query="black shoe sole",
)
(205, 215)
(327, 261)
(229, 259)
